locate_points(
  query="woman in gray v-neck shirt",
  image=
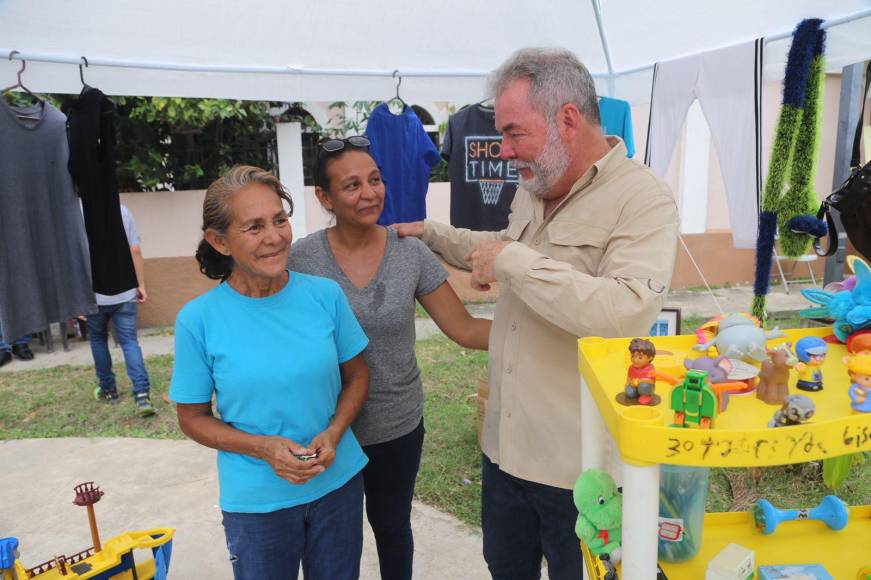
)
(382, 275)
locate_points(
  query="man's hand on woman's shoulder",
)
(410, 229)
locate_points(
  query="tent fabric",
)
(456, 41)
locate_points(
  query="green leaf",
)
(836, 470)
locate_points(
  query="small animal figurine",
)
(774, 377)
(796, 410)
(641, 377)
(600, 513)
(738, 336)
(718, 369)
(811, 352)
(859, 367)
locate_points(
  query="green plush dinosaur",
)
(600, 513)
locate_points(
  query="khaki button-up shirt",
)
(599, 265)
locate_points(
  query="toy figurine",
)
(600, 513)
(718, 369)
(811, 352)
(738, 336)
(859, 342)
(859, 367)
(641, 378)
(796, 410)
(774, 377)
(694, 401)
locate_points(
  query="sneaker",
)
(5, 357)
(143, 402)
(22, 352)
(110, 397)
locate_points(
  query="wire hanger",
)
(85, 86)
(398, 84)
(20, 85)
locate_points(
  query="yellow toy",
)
(859, 367)
(112, 560)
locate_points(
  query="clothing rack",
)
(302, 70)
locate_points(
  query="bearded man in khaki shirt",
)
(589, 251)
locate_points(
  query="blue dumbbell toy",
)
(832, 511)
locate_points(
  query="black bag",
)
(852, 199)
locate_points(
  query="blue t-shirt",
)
(273, 365)
(616, 118)
(405, 154)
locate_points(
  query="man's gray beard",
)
(550, 165)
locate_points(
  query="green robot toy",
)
(694, 401)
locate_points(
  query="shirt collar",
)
(617, 154)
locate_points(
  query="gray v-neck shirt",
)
(385, 310)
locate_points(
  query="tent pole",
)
(597, 9)
(848, 118)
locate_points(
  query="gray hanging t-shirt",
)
(45, 268)
(385, 310)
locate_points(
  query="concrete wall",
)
(169, 222)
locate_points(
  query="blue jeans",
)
(5, 346)
(389, 483)
(523, 521)
(326, 535)
(123, 317)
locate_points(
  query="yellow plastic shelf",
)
(842, 553)
(741, 436)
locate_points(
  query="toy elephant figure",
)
(718, 369)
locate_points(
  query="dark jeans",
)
(523, 521)
(389, 481)
(326, 535)
(18, 341)
(123, 317)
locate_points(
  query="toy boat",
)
(110, 561)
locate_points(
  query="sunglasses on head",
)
(333, 145)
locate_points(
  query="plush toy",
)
(600, 513)
(851, 311)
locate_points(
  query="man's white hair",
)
(557, 77)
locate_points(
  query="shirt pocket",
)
(580, 244)
(516, 228)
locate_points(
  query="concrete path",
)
(159, 483)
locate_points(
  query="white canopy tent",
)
(314, 50)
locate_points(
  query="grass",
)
(58, 403)
(688, 324)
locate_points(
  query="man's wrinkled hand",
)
(482, 259)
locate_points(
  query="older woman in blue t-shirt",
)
(281, 354)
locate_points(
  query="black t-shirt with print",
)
(482, 185)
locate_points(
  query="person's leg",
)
(512, 546)
(124, 320)
(98, 324)
(556, 512)
(334, 534)
(266, 546)
(389, 479)
(5, 350)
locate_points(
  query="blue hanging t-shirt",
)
(406, 155)
(616, 118)
(273, 366)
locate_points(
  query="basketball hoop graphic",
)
(491, 189)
